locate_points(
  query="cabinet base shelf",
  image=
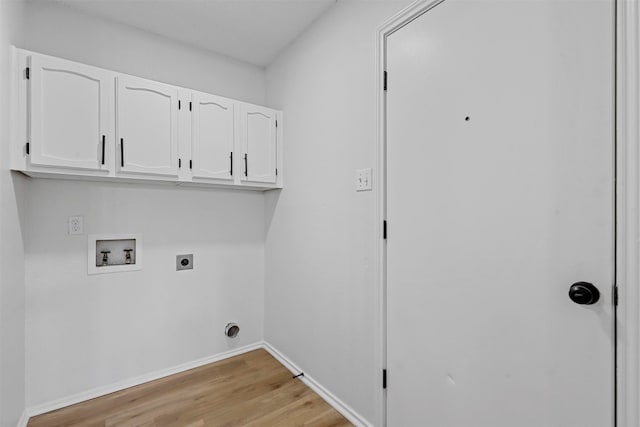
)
(147, 180)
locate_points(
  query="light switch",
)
(363, 179)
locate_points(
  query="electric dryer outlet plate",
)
(184, 262)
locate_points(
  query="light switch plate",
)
(363, 179)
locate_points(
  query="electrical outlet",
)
(363, 179)
(76, 225)
(184, 262)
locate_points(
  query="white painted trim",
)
(380, 273)
(396, 22)
(121, 385)
(18, 127)
(628, 219)
(330, 398)
(24, 419)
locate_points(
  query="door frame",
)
(627, 204)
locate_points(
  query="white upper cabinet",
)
(147, 127)
(213, 137)
(71, 120)
(258, 142)
(70, 115)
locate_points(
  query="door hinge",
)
(384, 229)
(385, 80)
(179, 104)
(384, 379)
(615, 295)
(190, 164)
(27, 73)
(28, 148)
(276, 123)
(179, 163)
(189, 105)
(276, 171)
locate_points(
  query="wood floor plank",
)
(252, 389)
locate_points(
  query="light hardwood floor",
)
(252, 389)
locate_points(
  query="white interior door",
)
(213, 137)
(147, 124)
(500, 197)
(71, 119)
(258, 137)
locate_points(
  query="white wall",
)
(84, 332)
(321, 302)
(89, 331)
(61, 31)
(12, 294)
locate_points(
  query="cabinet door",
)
(212, 137)
(258, 138)
(147, 122)
(70, 124)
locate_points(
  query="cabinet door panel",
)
(147, 127)
(258, 136)
(213, 136)
(69, 114)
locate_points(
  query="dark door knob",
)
(584, 293)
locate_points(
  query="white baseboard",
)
(329, 397)
(121, 385)
(24, 419)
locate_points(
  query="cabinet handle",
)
(246, 166)
(231, 164)
(122, 152)
(103, 144)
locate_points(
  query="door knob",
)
(584, 293)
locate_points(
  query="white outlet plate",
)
(363, 179)
(76, 225)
